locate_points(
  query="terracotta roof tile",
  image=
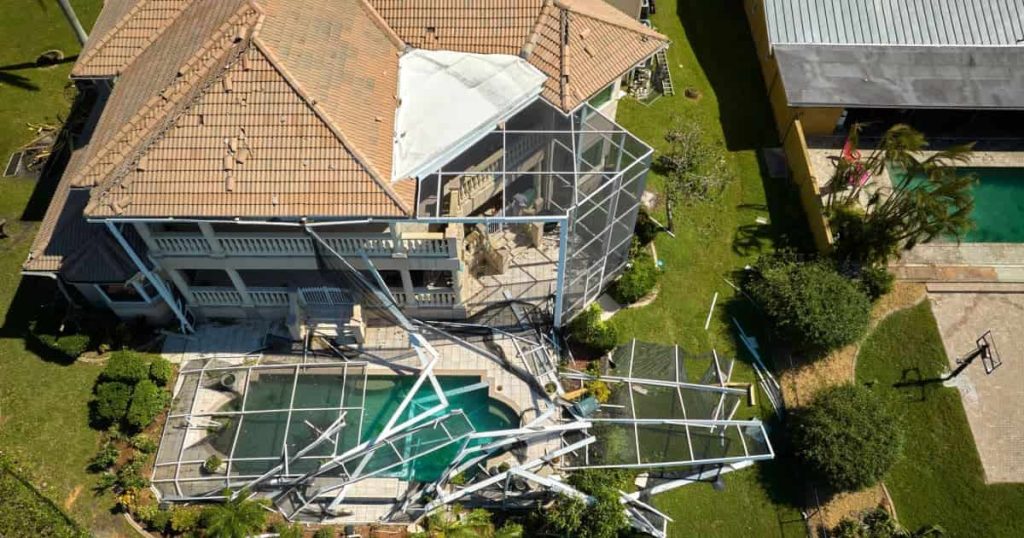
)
(485, 27)
(122, 31)
(254, 147)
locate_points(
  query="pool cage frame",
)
(596, 228)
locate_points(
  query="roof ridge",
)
(178, 99)
(383, 25)
(564, 58)
(366, 163)
(637, 28)
(93, 50)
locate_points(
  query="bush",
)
(637, 280)
(284, 530)
(185, 519)
(160, 371)
(143, 443)
(69, 345)
(876, 281)
(809, 304)
(129, 476)
(847, 437)
(105, 458)
(589, 330)
(325, 532)
(212, 464)
(148, 400)
(110, 404)
(645, 229)
(695, 171)
(878, 523)
(126, 366)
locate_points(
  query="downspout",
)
(157, 282)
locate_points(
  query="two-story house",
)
(458, 148)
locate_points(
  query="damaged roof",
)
(263, 108)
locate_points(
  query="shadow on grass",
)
(33, 300)
(721, 40)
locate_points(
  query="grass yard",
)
(43, 413)
(712, 51)
(940, 479)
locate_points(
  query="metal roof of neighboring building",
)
(902, 77)
(896, 22)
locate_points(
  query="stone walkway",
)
(994, 403)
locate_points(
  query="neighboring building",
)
(462, 148)
(952, 69)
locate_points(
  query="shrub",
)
(110, 404)
(325, 532)
(185, 519)
(694, 170)
(105, 458)
(212, 464)
(284, 530)
(876, 281)
(599, 390)
(570, 516)
(645, 229)
(148, 400)
(847, 437)
(160, 521)
(809, 304)
(160, 371)
(637, 280)
(878, 523)
(143, 443)
(129, 476)
(238, 516)
(69, 345)
(126, 366)
(589, 330)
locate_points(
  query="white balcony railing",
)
(273, 297)
(424, 245)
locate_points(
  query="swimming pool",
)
(258, 438)
(998, 204)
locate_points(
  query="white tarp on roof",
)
(449, 100)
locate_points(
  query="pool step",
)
(966, 263)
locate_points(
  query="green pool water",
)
(998, 205)
(262, 434)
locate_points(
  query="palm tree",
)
(238, 517)
(69, 14)
(928, 198)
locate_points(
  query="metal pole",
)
(563, 246)
(69, 14)
(157, 282)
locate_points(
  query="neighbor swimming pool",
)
(258, 437)
(998, 204)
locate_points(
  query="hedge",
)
(148, 400)
(160, 371)
(637, 280)
(111, 402)
(588, 329)
(127, 366)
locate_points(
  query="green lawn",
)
(43, 414)
(940, 479)
(713, 52)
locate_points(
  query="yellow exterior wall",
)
(791, 126)
(818, 121)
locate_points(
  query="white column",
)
(182, 285)
(216, 250)
(236, 279)
(410, 295)
(144, 232)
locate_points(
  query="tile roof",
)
(80, 250)
(249, 145)
(311, 90)
(122, 31)
(603, 43)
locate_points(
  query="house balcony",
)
(405, 245)
(222, 296)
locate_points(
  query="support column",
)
(398, 251)
(142, 229)
(563, 245)
(183, 287)
(236, 279)
(410, 295)
(216, 250)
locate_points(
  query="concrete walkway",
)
(994, 403)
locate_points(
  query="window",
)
(603, 97)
